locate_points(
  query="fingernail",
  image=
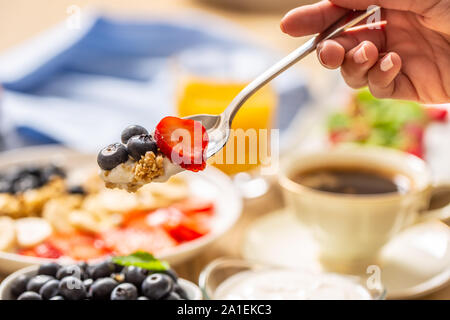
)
(360, 55)
(320, 49)
(386, 64)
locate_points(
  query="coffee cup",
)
(352, 228)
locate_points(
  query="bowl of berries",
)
(138, 276)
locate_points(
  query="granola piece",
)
(149, 167)
(132, 175)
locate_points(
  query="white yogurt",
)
(170, 169)
(123, 174)
(289, 285)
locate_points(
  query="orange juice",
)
(197, 95)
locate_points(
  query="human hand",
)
(409, 58)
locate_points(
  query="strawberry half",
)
(183, 141)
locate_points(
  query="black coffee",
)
(352, 180)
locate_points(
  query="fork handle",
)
(344, 23)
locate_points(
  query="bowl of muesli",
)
(54, 206)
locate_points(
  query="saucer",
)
(415, 263)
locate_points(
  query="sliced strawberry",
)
(79, 246)
(128, 240)
(437, 114)
(191, 206)
(183, 141)
(183, 233)
(180, 226)
(43, 250)
(134, 217)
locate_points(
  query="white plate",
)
(192, 290)
(208, 184)
(416, 262)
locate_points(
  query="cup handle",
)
(439, 194)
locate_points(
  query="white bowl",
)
(193, 291)
(210, 184)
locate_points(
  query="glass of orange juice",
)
(205, 86)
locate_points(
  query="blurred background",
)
(76, 72)
(67, 56)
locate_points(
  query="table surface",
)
(22, 19)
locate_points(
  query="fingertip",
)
(288, 23)
(381, 77)
(283, 29)
(365, 52)
(331, 54)
(390, 61)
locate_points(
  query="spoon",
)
(218, 126)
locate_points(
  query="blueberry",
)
(101, 270)
(35, 284)
(31, 171)
(124, 291)
(57, 298)
(111, 156)
(135, 275)
(76, 190)
(72, 288)
(49, 289)
(19, 285)
(157, 286)
(101, 289)
(133, 130)
(5, 186)
(118, 268)
(49, 269)
(173, 296)
(180, 291)
(171, 273)
(83, 265)
(29, 295)
(142, 298)
(52, 171)
(137, 146)
(87, 284)
(70, 270)
(26, 183)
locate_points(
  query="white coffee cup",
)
(351, 229)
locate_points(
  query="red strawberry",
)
(43, 250)
(183, 141)
(181, 227)
(79, 246)
(191, 206)
(129, 240)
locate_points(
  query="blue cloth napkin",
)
(81, 87)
